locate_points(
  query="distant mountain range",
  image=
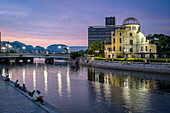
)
(51, 47)
(77, 48)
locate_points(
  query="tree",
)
(75, 54)
(162, 41)
(96, 49)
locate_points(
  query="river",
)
(78, 89)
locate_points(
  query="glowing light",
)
(45, 47)
(34, 79)
(45, 80)
(23, 47)
(23, 75)
(68, 83)
(59, 84)
(3, 72)
(59, 47)
(10, 75)
(3, 48)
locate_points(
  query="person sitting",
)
(32, 93)
(16, 84)
(7, 78)
(37, 97)
(23, 88)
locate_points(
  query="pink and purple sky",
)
(46, 22)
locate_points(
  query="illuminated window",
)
(131, 42)
(130, 34)
(133, 28)
(141, 48)
(146, 48)
(114, 48)
(142, 39)
(131, 49)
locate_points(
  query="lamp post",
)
(23, 48)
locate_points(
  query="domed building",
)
(129, 42)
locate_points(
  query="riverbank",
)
(13, 100)
(152, 68)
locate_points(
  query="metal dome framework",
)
(131, 20)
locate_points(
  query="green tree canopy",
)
(162, 41)
(96, 49)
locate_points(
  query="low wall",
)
(128, 66)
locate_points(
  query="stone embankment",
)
(13, 100)
(165, 69)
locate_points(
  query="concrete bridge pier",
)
(4, 60)
(49, 60)
(25, 60)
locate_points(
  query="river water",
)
(78, 89)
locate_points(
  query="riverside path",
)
(12, 101)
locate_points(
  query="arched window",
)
(130, 34)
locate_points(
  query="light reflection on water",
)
(77, 89)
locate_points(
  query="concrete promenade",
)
(152, 68)
(12, 101)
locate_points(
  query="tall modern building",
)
(102, 33)
(110, 21)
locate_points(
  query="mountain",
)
(19, 44)
(57, 48)
(77, 48)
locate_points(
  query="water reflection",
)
(68, 83)
(59, 84)
(45, 79)
(23, 75)
(34, 79)
(3, 72)
(127, 81)
(10, 75)
(94, 90)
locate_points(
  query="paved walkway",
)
(12, 101)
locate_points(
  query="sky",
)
(46, 22)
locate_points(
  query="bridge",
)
(17, 57)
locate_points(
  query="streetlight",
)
(59, 47)
(23, 49)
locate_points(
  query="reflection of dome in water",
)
(131, 20)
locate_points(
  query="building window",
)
(109, 49)
(133, 28)
(131, 49)
(114, 48)
(131, 42)
(141, 48)
(114, 40)
(141, 39)
(120, 40)
(113, 34)
(120, 34)
(120, 48)
(130, 34)
(146, 48)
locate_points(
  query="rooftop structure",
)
(102, 33)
